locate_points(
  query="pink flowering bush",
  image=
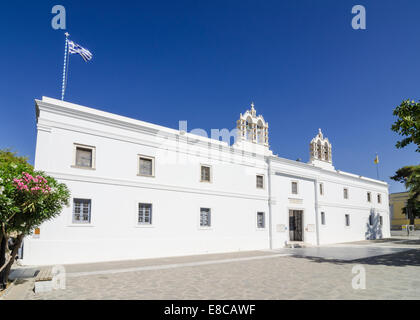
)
(28, 183)
(28, 198)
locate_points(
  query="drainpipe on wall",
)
(270, 231)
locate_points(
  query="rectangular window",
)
(260, 182)
(81, 210)
(322, 217)
(205, 174)
(260, 220)
(145, 213)
(381, 221)
(294, 187)
(346, 193)
(205, 217)
(368, 197)
(370, 219)
(84, 156)
(146, 166)
(321, 189)
(347, 218)
(379, 198)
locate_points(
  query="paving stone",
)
(390, 275)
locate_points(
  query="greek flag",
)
(75, 48)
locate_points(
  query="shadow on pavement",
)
(410, 242)
(398, 259)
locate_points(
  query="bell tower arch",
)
(320, 151)
(252, 131)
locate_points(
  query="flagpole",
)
(63, 86)
(67, 66)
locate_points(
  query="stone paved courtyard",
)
(392, 272)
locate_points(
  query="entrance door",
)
(296, 225)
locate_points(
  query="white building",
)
(140, 190)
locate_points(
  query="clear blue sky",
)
(205, 61)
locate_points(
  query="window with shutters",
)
(294, 187)
(205, 217)
(347, 220)
(346, 193)
(205, 173)
(260, 220)
(81, 210)
(369, 196)
(145, 214)
(84, 156)
(260, 181)
(146, 166)
(323, 218)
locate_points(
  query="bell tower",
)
(252, 131)
(320, 152)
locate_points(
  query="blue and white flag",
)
(75, 48)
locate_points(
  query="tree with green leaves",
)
(407, 123)
(410, 176)
(27, 199)
(408, 126)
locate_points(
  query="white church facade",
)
(140, 190)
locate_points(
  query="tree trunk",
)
(3, 249)
(410, 212)
(13, 256)
(411, 218)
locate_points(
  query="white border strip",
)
(172, 266)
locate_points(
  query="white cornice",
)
(44, 128)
